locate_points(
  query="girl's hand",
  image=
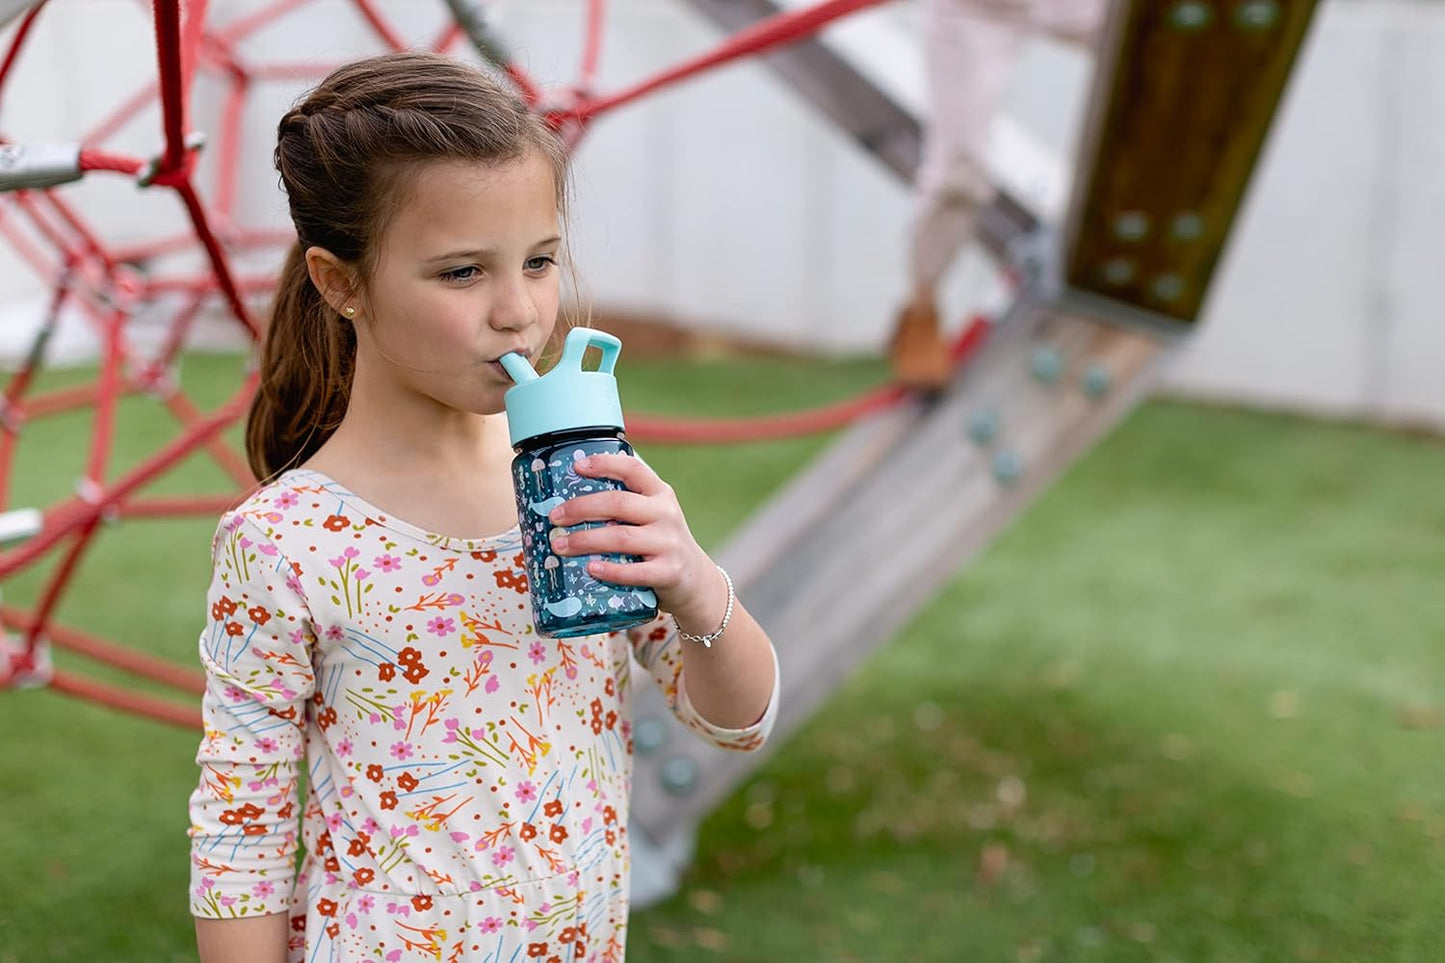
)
(687, 583)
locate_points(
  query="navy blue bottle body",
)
(566, 600)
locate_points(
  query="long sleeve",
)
(256, 652)
(657, 647)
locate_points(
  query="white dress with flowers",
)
(466, 782)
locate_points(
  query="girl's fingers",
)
(611, 540)
(628, 469)
(648, 574)
(608, 506)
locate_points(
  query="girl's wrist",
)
(704, 611)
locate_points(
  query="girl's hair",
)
(345, 154)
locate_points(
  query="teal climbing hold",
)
(1007, 467)
(1047, 364)
(649, 735)
(983, 426)
(1096, 381)
(679, 775)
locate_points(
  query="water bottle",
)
(555, 419)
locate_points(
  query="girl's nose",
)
(513, 310)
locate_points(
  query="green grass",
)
(1189, 706)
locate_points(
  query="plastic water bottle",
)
(555, 419)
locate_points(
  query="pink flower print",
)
(545, 908)
(387, 562)
(491, 924)
(233, 694)
(572, 878)
(441, 626)
(286, 500)
(530, 924)
(266, 744)
(351, 551)
(397, 722)
(269, 549)
(537, 653)
(394, 956)
(334, 633)
(361, 575)
(503, 856)
(365, 903)
(431, 579)
(298, 636)
(226, 900)
(398, 909)
(351, 920)
(343, 748)
(370, 825)
(337, 562)
(333, 821)
(493, 684)
(401, 750)
(262, 890)
(526, 792)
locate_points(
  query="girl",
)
(466, 782)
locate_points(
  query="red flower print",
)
(388, 800)
(217, 614)
(657, 634)
(386, 672)
(326, 718)
(255, 829)
(610, 687)
(611, 838)
(490, 555)
(363, 876)
(611, 719)
(227, 606)
(518, 562)
(356, 848)
(528, 833)
(596, 708)
(536, 950)
(235, 628)
(252, 811)
(232, 817)
(336, 523)
(326, 907)
(332, 864)
(568, 934)
(609, 815)
(284, 812)
(409, 656)
(558, 834)
(259, 615)
(374, 772)
(333, 930)
(421, 903)
(553, 808)
(406, 781)
(415, 673)
(596, 725)
(554, 959)
(510, 579)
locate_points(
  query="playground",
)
(1141, 677)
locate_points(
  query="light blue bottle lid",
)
(565, 398)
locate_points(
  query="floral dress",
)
(466, 781)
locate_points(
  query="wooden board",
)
(1185, 92)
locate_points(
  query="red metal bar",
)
(122, 115)
(93, 647)
(73, 513)
(108, 391)
(206, 284)
(67, 214)
(777, 30)
(27, 249)
(231, 463)
(229, 144)
(379, 26)
(14, 52)
(61, 399)
(126, 701)
(792, 424)
(450, 34)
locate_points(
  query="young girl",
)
(465, 781)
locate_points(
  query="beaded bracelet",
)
(707, 640)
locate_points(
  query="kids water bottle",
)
(556, 419)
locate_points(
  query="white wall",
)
(726, 202)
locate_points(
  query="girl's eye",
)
(541, 263)
(467, 273)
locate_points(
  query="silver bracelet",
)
(707, 640)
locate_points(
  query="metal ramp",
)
(1164, 167)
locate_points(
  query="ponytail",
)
(307, 358)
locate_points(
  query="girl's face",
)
(465, 272)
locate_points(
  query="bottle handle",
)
(580, 339)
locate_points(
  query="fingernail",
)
(584, 462)
(555, 514)
(559, 539)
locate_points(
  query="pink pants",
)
(971, 47)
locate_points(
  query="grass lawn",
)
(1188, 710)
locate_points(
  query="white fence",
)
(726, 202)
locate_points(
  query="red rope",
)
(92, 647)
(95, 160)
(592, 45)
(172, 81)
(793, 424)
(779, 29)
(378, 25)
(18, 42)
(132, 702)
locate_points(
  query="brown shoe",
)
(919, 353)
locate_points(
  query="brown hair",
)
(343, 154)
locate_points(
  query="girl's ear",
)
(335, 280)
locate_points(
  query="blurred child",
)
(465, 781)
(971, 47)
